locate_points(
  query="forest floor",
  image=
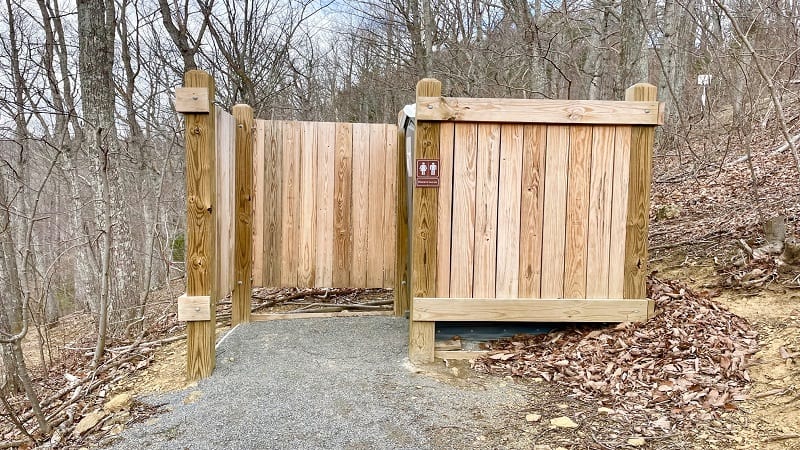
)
(699, 219)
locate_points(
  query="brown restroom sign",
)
(427, 173)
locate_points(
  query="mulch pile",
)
(690, 359)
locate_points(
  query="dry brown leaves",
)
(690, 359)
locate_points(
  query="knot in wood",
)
(196, 130)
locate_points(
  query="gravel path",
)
(325, 383)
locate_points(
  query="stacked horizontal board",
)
(325, 196)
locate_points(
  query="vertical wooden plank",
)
(343, 197)
(390, 205)
(360, 206)
(486, 192)
(464, 179)
(532, 211)
(619, 211)
(425, 212)
(326, 139)
(600, 191)
(555, 211)
(308, 211)
(225, 150)
(641, 167)
(445, 213)
(259, 192)
(290, 195)
(200, 227)
(508, 222)
(273, 174)
(243, 232)
(580, 161)
(376, 185)
(402, 245)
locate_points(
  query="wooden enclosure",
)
(540, 214)
(324, 204)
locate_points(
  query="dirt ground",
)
(769, 419)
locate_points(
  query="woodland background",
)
(92, 199)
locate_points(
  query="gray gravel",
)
(325, 384)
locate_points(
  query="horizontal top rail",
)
(456, 109)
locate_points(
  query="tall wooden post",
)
(641, 172)
(421, 335)
(200, 221)
(243, 226)
(401, 282)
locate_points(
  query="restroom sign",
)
(427, 173)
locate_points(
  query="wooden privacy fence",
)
(324, 204)
(540, 212)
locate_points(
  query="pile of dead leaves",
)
(691, 358)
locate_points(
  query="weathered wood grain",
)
(259, 193)
(306, 275)
(641, 167)
(484, 270)
(376, 185)
(360, 206)
(290, 196)
(580, 162)
(532, 210)
(390, 205)
(619, 211)
(464, 184)
(273, 174)
(326, 143)
(530, 310)
(600, 193)
(402, 298)
(574, 112)
(343, 199)
(555, 211)
(243, 227)
(445, 211)
(509, 210)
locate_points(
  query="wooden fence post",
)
(401, 282)
(421, 335)
(641, 168)
(243, 226)
(200, 223)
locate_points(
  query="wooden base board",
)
(286, 316)
(531, 310)
(458, 354)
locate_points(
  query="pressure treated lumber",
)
(259, 194)
(194, 308)
(641, 168)
(459, 354)
(424, 231)
(200, 227)
(192, 100)
(571, 112)
(402, 298)
(271, 170)
(270, 317)
(243, 226)
(530, 310)
(531, 210)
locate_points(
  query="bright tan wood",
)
(389, 206)
(531, 210)
(343, 198)
(308, 210)
(484, 268)
(424, 231)
(194, 308)
(600, 193)
(290, 316)
(259, 192)
(555, 211)
(225, 210)
(243, 227)
(539, 111)
(508, 222)
(376, 185)
(641, 168)
(192, 100)
(402, 298)
(360, 206)
(580, 162)
(273, 204)
(529, 310)
(326, 144)
(200, 227)
(445, 212)
(463, 228)
(290, 196)
(619, 211)
(459, 354)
